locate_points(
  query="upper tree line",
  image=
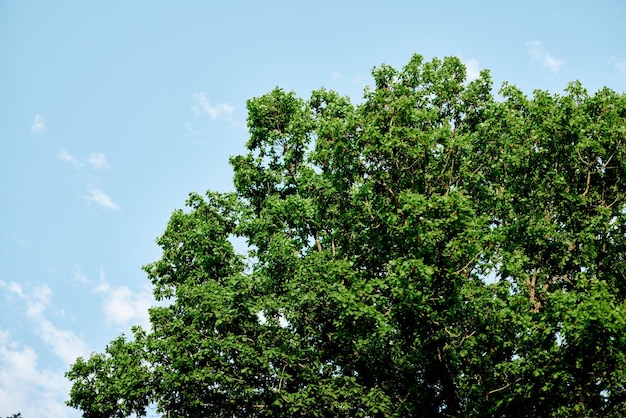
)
(433, 251)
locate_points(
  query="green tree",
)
(430, 252)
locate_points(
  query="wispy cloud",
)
(539, 53)
(65, 156)
(201, 105)
(38, 126)
(472, 69)
(98, 161)
(102, 199)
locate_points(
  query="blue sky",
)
(112, 112)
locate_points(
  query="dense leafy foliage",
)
(433, 251)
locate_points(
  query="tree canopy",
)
(436, 250)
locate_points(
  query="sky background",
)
(111, 112)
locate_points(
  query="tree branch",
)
(503, 387)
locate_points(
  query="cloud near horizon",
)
(25, 385)
(538, 52)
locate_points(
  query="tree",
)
(430, 252)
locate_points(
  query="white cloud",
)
(473, 69)
(28, 388)
(37, 389)
(12, 287)
(537, 52)
(64, 343)
(65, 156)
(38, 126)
(98, 161)
(37, 301)
(202, 105)
(552, 63)
(101, 198)
(121, 305)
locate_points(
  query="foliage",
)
(433, 251)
